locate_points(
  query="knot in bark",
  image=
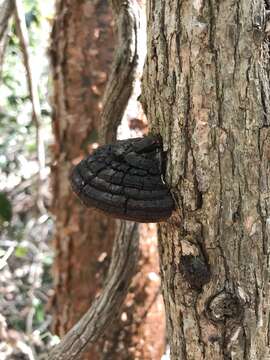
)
(225, 306)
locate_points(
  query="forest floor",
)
(26, 258)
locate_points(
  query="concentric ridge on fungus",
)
(124, 180)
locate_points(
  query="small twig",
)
(30, 318)
(33, 90)
(3, 45)
(26, 349)
(34, 279)
(26, 183)
(8, 243)
(4, 259)
(24, 243)
(45, 325)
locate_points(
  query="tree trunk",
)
(206, 91)
(81, 55)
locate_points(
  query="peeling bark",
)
(206, 91)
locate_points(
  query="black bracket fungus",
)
(125, 180)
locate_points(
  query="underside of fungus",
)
(125, 180)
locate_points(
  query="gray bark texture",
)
(206, 91)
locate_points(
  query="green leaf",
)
(21, 251)
(5, 208)
(31, 146)
(39, 313)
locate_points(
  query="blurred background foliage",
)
(25, 230)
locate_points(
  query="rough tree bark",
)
(81, 54)
(206, 91)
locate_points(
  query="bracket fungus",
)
(125, 180)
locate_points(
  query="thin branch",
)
(128, 15)
(6, 10)
(32, 84)
(104, 309)
(3, 46)
(4, 259)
